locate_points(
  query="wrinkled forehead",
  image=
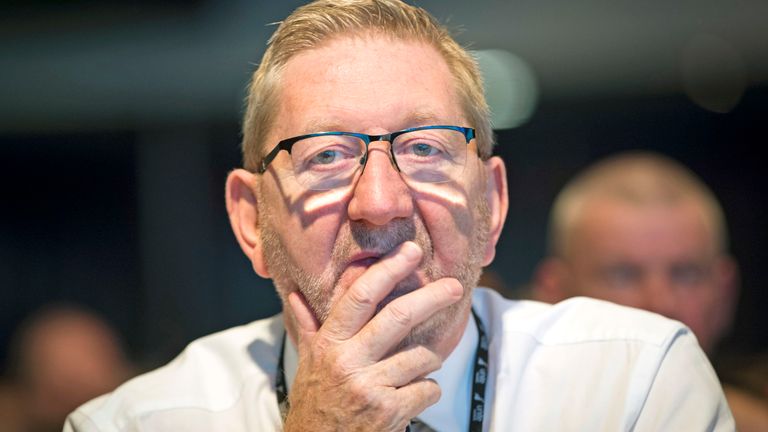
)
(366, 81)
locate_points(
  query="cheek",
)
(450, 230)
(625, 296)
(307, 234)
(592, 285)
(311, 244)
(696, 319)
(699, 305)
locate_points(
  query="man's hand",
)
(346, 379)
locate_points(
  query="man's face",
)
(660, 258)
(320, 242)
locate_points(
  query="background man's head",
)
(62, 356)
(640, 229)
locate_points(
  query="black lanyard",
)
(479, 376)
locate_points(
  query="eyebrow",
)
(414, 119)
(319, 125)
(419, 118)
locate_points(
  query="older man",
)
(371, 198)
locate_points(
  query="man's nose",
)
(380, 195)
(661, 296)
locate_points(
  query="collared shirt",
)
(581, 365)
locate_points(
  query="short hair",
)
(640, 178)
(312, 24)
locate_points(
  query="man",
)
(370, 197)
(61, 356)
(641, 230)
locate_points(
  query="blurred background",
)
(120, 119)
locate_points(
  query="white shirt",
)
(581, 365)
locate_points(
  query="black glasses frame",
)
(287, 144)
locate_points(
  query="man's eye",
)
(621, 276)
(324, 157)
(687, 275)
(422, 149)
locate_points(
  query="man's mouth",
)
(364, 259)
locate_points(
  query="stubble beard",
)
(320, 291)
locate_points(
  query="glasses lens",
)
(431, 155)
(327, 161)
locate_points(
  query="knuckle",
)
(423, 360)
(360, 296)
(393, 420)
(389, 413)
(400, 314)
(432, 361)
(341, 371)
(361, 392)
(320, 347)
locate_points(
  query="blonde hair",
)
(639, 178)
(312, 24)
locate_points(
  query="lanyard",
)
(479, 376)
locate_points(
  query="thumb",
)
(306, 322)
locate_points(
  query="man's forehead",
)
(330, 121)
(355, 84)
(621, 225)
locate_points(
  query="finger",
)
(306, 322)
(403, 367)
(402, 314)
(417, 396)
(358, 304)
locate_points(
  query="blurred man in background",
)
(61, 356)
(641, 230)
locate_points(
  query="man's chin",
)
(440, 332)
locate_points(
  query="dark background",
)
(119, 121)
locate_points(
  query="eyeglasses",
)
(330, 160)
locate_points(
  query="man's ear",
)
(243, 210)
(498, 203)
(549, 281)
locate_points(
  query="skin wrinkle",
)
(298, 205)
(419, 117)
